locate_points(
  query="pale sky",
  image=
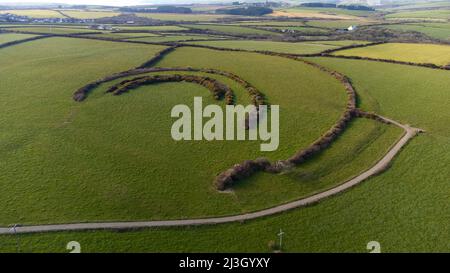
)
(110, 2)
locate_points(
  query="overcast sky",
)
(111, 2)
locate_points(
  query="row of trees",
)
(160, 9)
(331, 5)
(246, 11)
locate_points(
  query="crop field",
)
(35, 13)
(82, 14)
(87, 117)
(338, 14)
(416, 53)
(282, 47)
(10, 37)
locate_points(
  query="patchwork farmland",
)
(87, 145)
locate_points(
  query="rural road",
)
(378, 167)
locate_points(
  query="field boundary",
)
(12, 43)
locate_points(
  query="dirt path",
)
(410, 132)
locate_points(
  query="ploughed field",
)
(112, 157)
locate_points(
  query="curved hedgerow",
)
(218, 89)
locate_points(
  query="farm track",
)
(379, 167)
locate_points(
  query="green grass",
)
(301, 29)
(434, 30)
(422, 14)
(417, 53)
(336, 24)
(10, 37)
(183, 17)
(175, 38)
(124, 35)
(35, 13)
(111, 140)
(405, 209)
(282, 47)
(365, 138)
(232, 29)
(152, 28)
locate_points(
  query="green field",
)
(391, 208)
(122, 191)
(337, 24)
(301, 29)
(123, 35)
(51, 29)
(282, 47)
(183, 17)
(423, 14)
(232, 29)
(175, 38)
(434, 30)
(35, 13)
(151, 28)
(416, 53)
(10, 37)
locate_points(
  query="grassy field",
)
(232, 29)
(183, 17)
(83, 14)
(174, 38)
(137, 181)
(422, 14)
(152, 28)
(417, 53)
(364, 137)
(125, 35)
(52, 29)
(301, 29)
(396, 208)
(434, 30)
(336, 24)
(322, 13)
(10, 37)
(35, 13)
(282, 47)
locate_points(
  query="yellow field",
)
(35, 13)
(81, 14)
(307, 14)
(417, 53)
